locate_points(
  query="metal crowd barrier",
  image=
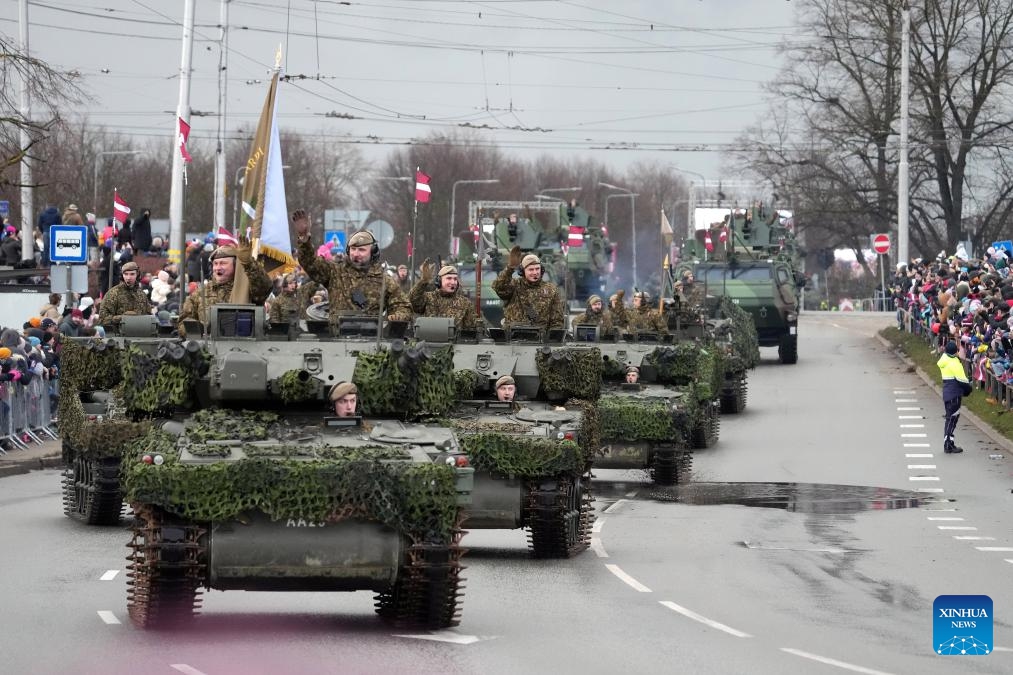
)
(25, 414)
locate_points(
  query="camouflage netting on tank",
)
(570, 373)
(745, 343)
(89, 365)
(94, 439)
(613, 370)
(417, 499)
(589, 431)
(160, 382)
(406, 382)
(689, 363)
(630, 419)
(523, 457)
(297, 386)
(219, 424)
(466, 382)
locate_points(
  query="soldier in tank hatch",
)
(597, 315)
(285, 306)
(632, 375)
(645, 319)
(528, 301)
(506, 389)
(447, 300)
(235, 278)
(355, 284)
(125, 298)
(345, 398)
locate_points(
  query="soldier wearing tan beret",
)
(345, 397)
(448, 300)
(506, 389)
(528, 301)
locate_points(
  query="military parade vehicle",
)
(733, 329)
(754, 260)
(253, 483)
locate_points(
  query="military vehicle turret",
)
(753, 259)
(267, 489)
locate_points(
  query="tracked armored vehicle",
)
(733, 329)
(265, 490)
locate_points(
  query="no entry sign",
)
(881, 243)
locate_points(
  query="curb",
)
(21, 466)
(983, 426)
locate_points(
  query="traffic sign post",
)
(881, 245)
(68, 243)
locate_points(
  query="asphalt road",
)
(837, 574)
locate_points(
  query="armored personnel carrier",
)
(264, 490)
(532, 455)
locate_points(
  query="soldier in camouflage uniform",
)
(596, 314)
(307, 289)
(447, 301)
(235, 278)
(691, 293)
(403, 280)
(357, 283)
(528, 301)
(285, 308)
(645, 319)
(125, 297)
(620, 317)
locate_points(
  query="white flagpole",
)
(182, 112)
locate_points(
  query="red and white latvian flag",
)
(120, 208)
(576, 236)
(184, 134)
(708, 243)
(723, 235)
(422, 191)
(225, 238)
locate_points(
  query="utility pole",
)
(27, 192)
(223, 83)
(182, 112)
(902, 174)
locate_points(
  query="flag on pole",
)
(708, 243)
(120, 208)
(411, 247)
(184, 135)
(422, 190)
(225, 238)
(576, 236)
(666, 228)
(723, 235)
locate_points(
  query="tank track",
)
(167, 569)
(672, 465)
(706, 432)
(733, 397)
(559, 516)
(91, 490)
(429, 588)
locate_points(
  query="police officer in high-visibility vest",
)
(955, 387)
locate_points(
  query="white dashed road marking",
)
(916, 455)
(913, 435)
(996, 549)
(921, 466)
(187, 670)
(957, 527)
(945, 518)
(917, 445)
(598, 524)
(905, 400)
(910, 417)
(109, 576)
(108, 616)
(923, 477)
(833, 662)
(598, 549)
(627, 579)
(902, 409)
(690, 614)
(974, 538)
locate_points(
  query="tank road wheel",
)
(428, 590)
(787, 350)
(167, 568)
(733, 397)
(671, 466)
(708, 428)
(91, 490)
(559, 517)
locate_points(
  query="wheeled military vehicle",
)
(264, 490)
(755, 262)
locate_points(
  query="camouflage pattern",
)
(343, 281)
(620, 316)
(284, 308)
(646, 319)
(214, 293)
(603, 319)
(304, 296)
(438, 303)
(529, 304)
(692, 295)
(122, 299)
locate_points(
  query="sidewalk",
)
(45, 456)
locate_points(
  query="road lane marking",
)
(627, 579)
(109, 576)
(598, 524)
(996, 549)
(905, 400)
(945, 518)
(615, 507)
(934, 490)
(915, 455)
(914, 435)
(938, 510)
(598, 549)
(923, 477)
(912, 426)
(1009, 560)
(921, 466)
(957, 527)
(903, 409)
(108, 616)
(903, 393)
(910, 417)
(435, 636)
(918, 445)
(690, 614)
(974, 538)
(187, 670)
(833, 662)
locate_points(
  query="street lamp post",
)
(543, 191)
(98, 160)
(453, 199)
(633, 219)
(691, 200)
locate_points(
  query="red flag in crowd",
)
(409, 245)
(120, 208)
(708, 243)
(225, 237)
(422, 191)
(184, 134)
(723, 235)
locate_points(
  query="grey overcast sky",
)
(589, 78)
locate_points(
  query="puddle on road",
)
(797, 497)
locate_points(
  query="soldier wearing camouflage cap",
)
(644, 319)
(235, 278)
(690, 292)
(355, 284)
(447, 300)
(528, 301)
(285, 307)
(617, 307)
(597, 315)
(125, 297)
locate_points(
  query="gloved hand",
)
(428, 271)
(515, 257)
(301, 223)
(244, 251)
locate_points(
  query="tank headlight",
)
(147, 459)
(568, 436)
(450, 461)
(560, 436)
(791, 317)
(158, 460)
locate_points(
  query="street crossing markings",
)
(905, 400)
(937, 510)
(903, 393)
(108, 616)
(973, 538)
(913, 435)
(109, 576)
(597, 547)
(933, 490)
(903, 409)
(690, 614)
(627, 579)
(833, 662)
(921, 466)
(923, 477)
(1009, 560)
(912, 426)
(945, 518)
(996, 549)
(918, 445)
(914, 455)
(910, 417)
(966, 528)
(185, 669)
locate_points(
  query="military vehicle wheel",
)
(733, 398)
(787, 350)
(168, 565)
(559, 517)
(91, 490)
(672, 466)
(708, 428)
(427, 593)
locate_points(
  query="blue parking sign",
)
(68, 243)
